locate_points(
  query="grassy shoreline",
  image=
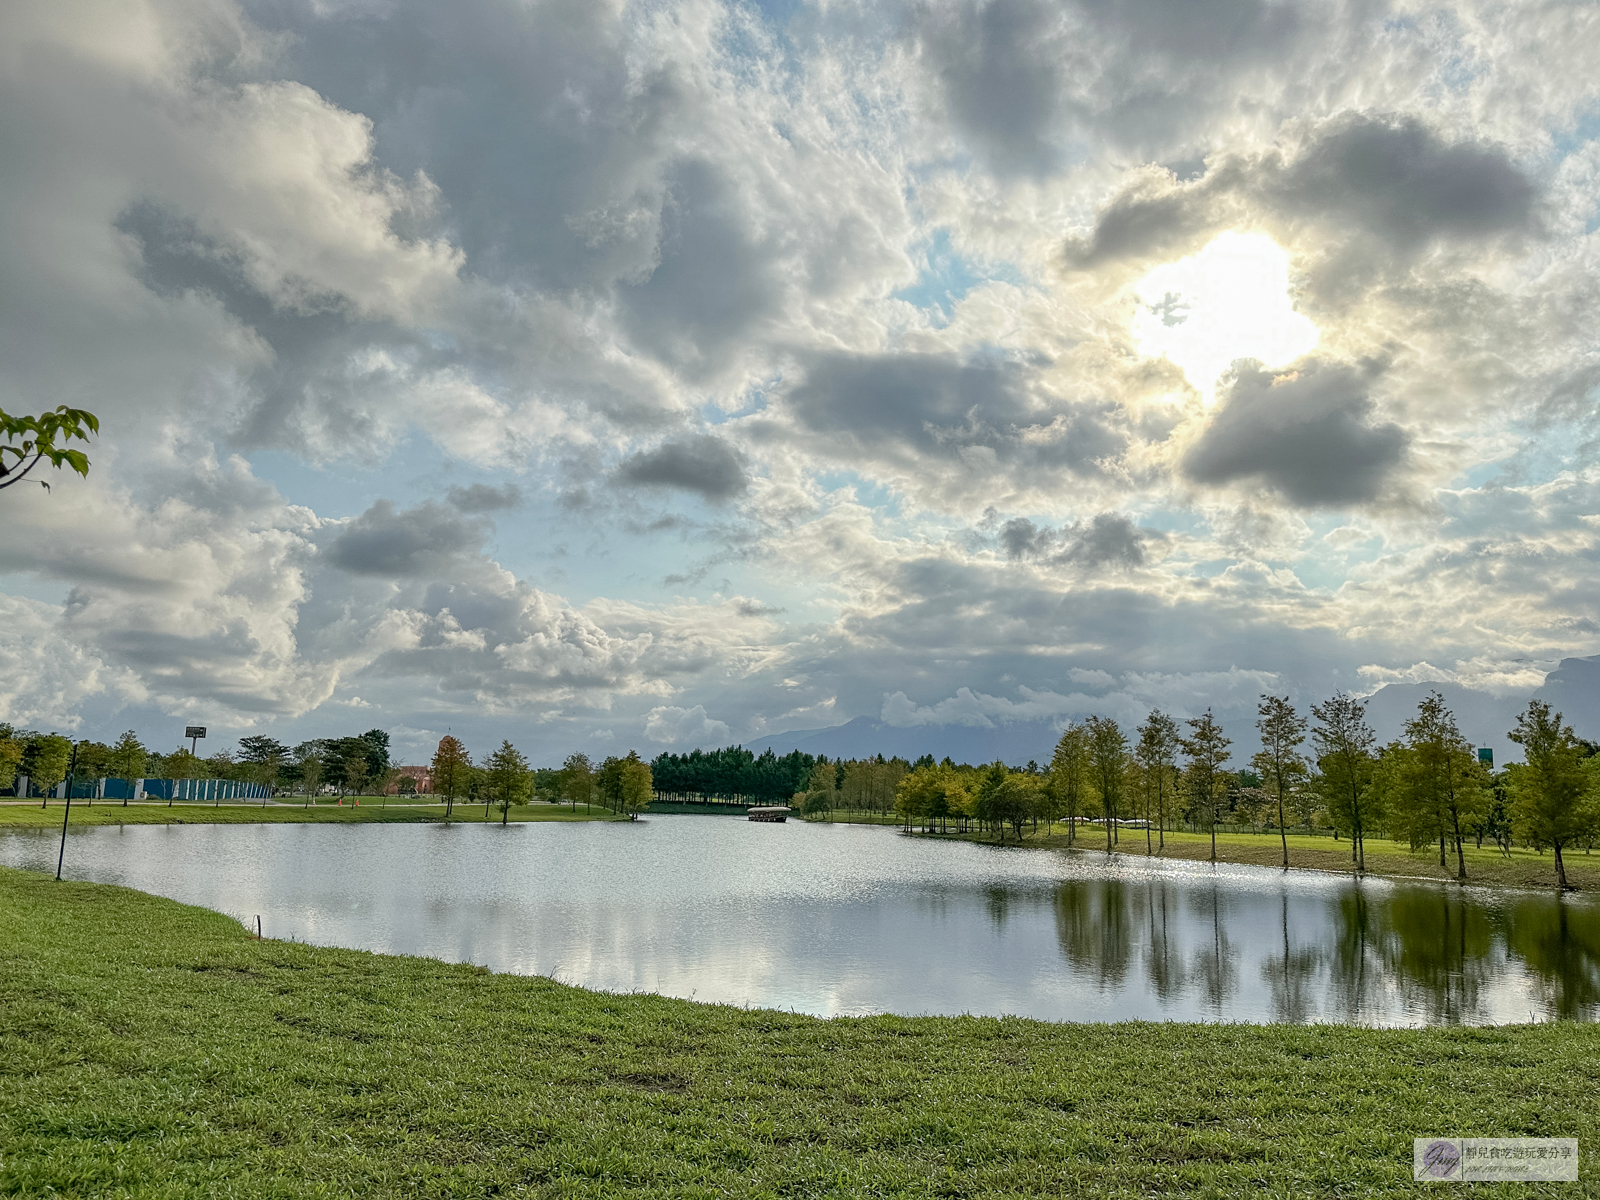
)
(372, 811)
(1486, 867)
(153, 1049)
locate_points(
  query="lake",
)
(839, 919)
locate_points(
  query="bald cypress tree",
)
(1279, 762)
(1551, 801)
(1344, 743)
(1207, 751)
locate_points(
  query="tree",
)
(127, 760)
(378, 763)
(1207, 751)
(353, 755)
(1344, 742)
(1157, 752)
(985, 786)
(1551, 802)
(577, 779)
(10, 755)
(265, 756)
(30, 440)
(506, 780)
(450, 767)
(1108, 757)
(1014, 800)
(1279, 760)
(45, 759)
(1433, 786)
(821, 788)
(638, 788)
(1069, 774)
(930, 792)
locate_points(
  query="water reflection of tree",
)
(1214, 966)
(1356, 978)
(997, 900)
(1289, 977)
(1163, 961)
(1437, 949)
(1095, 927)
(1560, 942)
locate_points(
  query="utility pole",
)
(72, 768)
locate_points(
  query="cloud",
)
(1026, 83)
(670, 725)
(1384, 176)
(481, 498)
(945, 428)
(1108, 539)
(1307, 435)
(416, 541)
(1392, 176)
(705, 464)
(45, 679)
(1128, 698)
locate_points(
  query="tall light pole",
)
(72, 768)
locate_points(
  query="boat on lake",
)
(769, 812)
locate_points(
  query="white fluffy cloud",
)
(585, 369)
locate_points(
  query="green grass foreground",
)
(371, 811)
(150, 1049)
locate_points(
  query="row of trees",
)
(1426, 788)
(347, 765)
(731, 774)
(504, 779)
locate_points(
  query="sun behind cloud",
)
(1229, 301)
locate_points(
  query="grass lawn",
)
(1485, 867)
(1523, 868)
(201, 812)
(154, 1050)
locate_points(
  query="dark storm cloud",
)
(1025, 82)
(938, 406)
(1385, 177)
(1109, 539)
(481, 498)
(706, 465)
(416, 541)
(1309, 436)
(1395, 178)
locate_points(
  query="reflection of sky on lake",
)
(838, 919)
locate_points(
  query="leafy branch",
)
(30, 439)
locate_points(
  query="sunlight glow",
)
(1229, 301)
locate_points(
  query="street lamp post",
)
(72, 768)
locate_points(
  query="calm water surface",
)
(834, 919)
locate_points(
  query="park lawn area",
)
(151, 1049)
(1485, 867)
(198, 812)
(1488, 866)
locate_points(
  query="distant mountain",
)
(1573, 689)
(1483, 719)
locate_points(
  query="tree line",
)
(345, 765)
(504, 779)
(1426, 788)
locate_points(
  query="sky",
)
(608, 375)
